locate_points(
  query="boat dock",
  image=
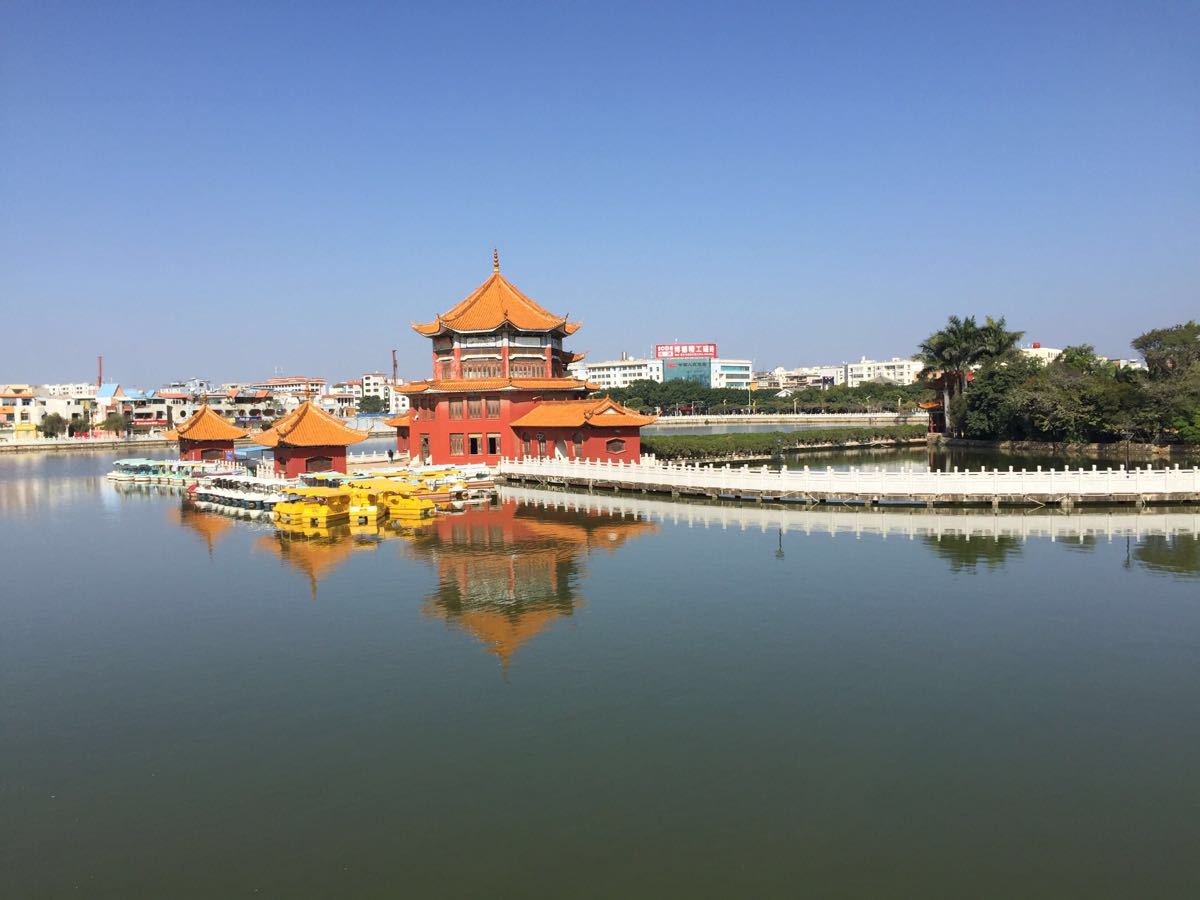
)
(868, 485)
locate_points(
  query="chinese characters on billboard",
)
(685, 351)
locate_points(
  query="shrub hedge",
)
(766, 443)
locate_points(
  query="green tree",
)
(1169, 352)
(995, 340)
(79, 425)
(371, 404)
(993, 404)
(116, 423)
(53, 425)
(1082, 358)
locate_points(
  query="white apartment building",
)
(1045, 355)
(890, 371)
(735, 374)
(618, 373)
(376, 384)
(290, 384)
(79, 389)
(397, 403)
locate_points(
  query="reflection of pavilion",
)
(505, 573)
(209, 526)
(314, 552)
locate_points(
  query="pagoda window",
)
(541, 439)
(616, 445)
(493, 407)
(493, 445)
(528, 340)
(456, 409)
(527, 368)
(318, 464)
(481, 368)
(526, 445)
(474, 408)
(456, 445)
(475, 444)
(445, 369)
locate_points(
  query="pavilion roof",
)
(309, 426)
(463, 385)
(494, 303)
(206, 425)
(598, 412)
(401, 421)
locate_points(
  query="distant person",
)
(391, 456)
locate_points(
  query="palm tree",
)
(949, 354)
(996, 339)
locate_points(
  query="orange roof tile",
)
(492, 304)
(602, 412)
(309, 426)
(402, 421)
(206, 425)
(498, 384)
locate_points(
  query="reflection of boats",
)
(507, 572)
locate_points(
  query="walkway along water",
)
(1051, 487)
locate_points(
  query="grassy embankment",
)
(762, 445)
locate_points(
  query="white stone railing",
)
(862, 482)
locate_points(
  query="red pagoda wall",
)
(595, 443)
(292, 462)
(197, 450)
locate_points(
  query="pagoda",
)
(308, 439)
(500, 387)
(206, 436)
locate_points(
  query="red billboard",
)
(685, 351)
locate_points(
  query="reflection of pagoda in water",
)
(505, 573)
(314, 552)
(209, 526)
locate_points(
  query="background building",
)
(618, 373)
(1045, 355)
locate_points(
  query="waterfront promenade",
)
(1038, 487)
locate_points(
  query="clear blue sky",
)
(218, 189)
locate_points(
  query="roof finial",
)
(495, 260)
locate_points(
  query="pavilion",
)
(205, 435)
(308, 439)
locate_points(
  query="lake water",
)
(572, 696)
